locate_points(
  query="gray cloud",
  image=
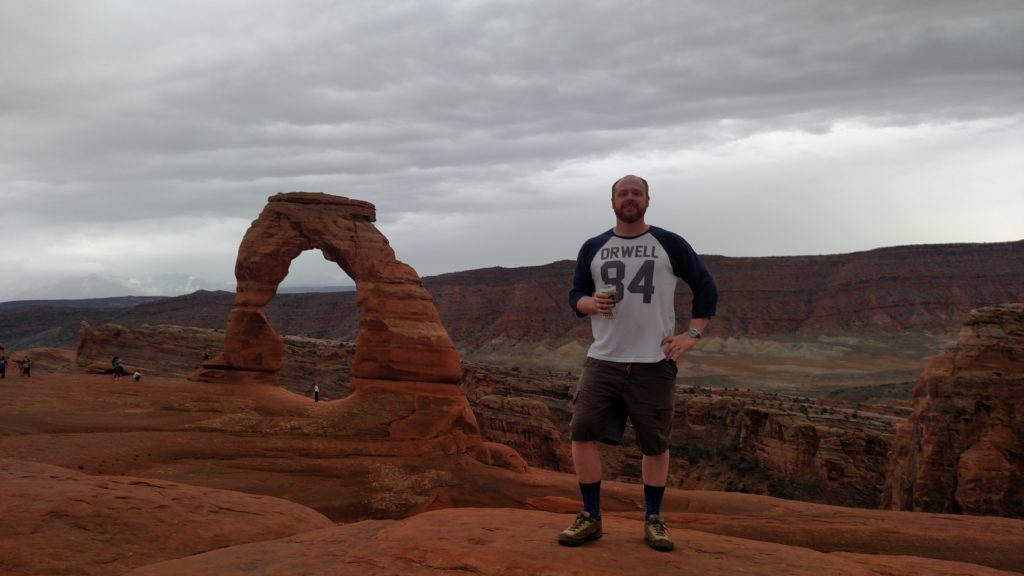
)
(485, 116)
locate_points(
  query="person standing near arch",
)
(625, 281)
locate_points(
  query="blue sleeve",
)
(688, 266)
(582, 280)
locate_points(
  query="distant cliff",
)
(920, 289)
(911, 288)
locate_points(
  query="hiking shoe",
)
(583, 528)
(656, 533)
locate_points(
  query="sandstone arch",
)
(401, 337)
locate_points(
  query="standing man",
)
(630, 370)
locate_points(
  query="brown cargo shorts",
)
(610, 392)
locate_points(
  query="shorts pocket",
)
(673, 368)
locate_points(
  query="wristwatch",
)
(694, 333)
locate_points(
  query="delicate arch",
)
(400, 332)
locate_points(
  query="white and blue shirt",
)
(644, 269)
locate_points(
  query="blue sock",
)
(592, 498)
(653, 495)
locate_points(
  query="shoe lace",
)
(580, 521)
(659, 528)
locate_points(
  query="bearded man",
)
(625, 281)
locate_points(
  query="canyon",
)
(816, 449)
(903, 290)
(856, 414)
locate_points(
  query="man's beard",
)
(636, 216)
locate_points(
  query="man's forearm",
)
(700, 324)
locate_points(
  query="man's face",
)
(630, 200)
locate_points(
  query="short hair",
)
(647, 187)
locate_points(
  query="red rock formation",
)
(44, 359)
(178, 350)
(58, 521)
(401, 337)
(405, 366)
(267, 442)
(962, 449)
(156, 350)
(722, 440)
(781, 446)
(520, 542)
(526, 411)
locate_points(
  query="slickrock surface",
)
(963, 448)
(58, 521)
(266, 440)
(473, 541)
(450, 510)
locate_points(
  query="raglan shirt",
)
(644, 269)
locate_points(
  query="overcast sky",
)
(141, 138)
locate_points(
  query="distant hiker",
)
(3, 367)
(118, 367)
(316, 392)
(625, 281)
(26, 367)
(137, 376)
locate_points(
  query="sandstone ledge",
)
(59, 521)
(260, 443)
(504, 541)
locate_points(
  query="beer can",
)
(608, 290)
